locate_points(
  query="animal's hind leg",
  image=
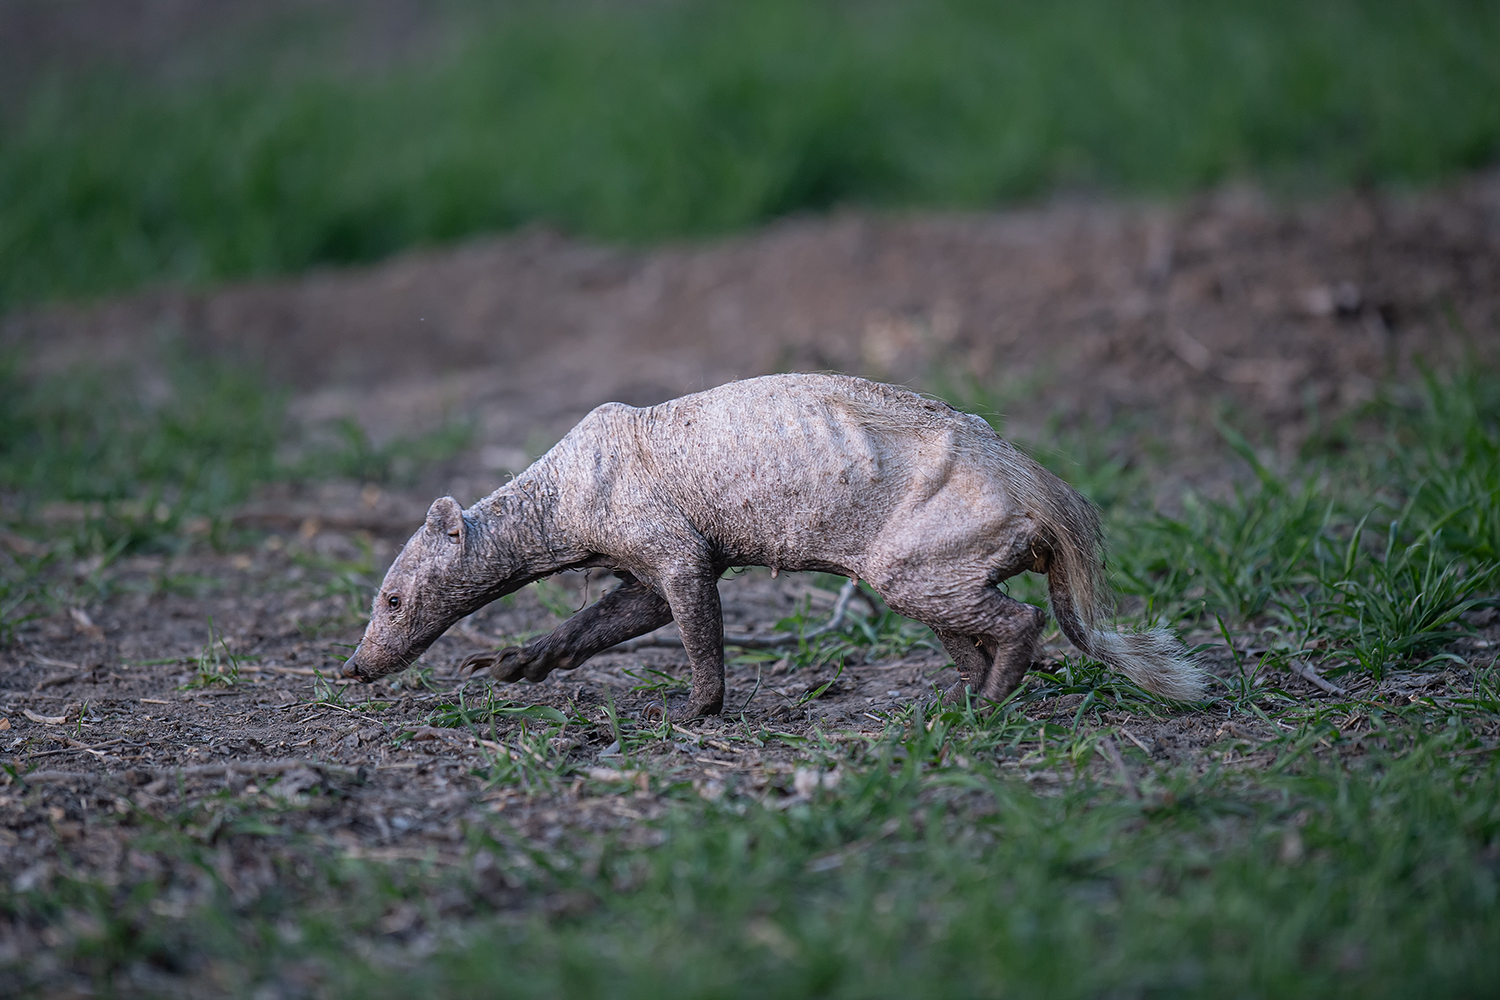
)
(973, 655)
(631, 609)
(1019, 628)
(991, 637)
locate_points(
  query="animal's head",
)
(430, 586)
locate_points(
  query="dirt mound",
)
(1086, 309)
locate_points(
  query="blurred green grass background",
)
(651, 120)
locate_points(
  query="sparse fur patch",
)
(927, 505)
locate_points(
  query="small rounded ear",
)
(446, 517)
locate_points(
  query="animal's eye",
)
(394, 600)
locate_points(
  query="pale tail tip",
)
(1156, 661)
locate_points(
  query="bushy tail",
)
(1153, 658)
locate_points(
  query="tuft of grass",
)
(215, 663)
(1403, 606)
(527, 755)
(1233, 555)
(101, 467)
(464, 715)
(1446, 448)
(645, 121)
(95, 466)
(927, 867)
(1289, 546)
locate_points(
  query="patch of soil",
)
(134, 713)
(1087, 311)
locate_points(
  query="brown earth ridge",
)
(1083, 308)
(1085, 311)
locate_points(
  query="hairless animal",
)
(927, 505)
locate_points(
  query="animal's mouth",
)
(352, 669)
(358, 668)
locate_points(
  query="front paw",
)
(509, 665)
(699, 709)
(474, 663)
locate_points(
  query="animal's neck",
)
(520, 529)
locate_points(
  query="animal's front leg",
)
(631, 609)
(693, 594)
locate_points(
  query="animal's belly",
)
(858, 524)
(796, 521)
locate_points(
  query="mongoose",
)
(927, 505)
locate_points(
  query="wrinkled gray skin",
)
(796, 472)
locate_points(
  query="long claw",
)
(509, 665)
(475, 663)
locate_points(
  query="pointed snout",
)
(352, 669)
(371, 661)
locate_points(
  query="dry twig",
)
(1310, 675)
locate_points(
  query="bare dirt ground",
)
(1084, 312)
(1084, 309)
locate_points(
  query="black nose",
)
(351, 665)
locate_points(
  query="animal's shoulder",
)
(606, 412)
(607, 419)
(607, 429)
(797, 391)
